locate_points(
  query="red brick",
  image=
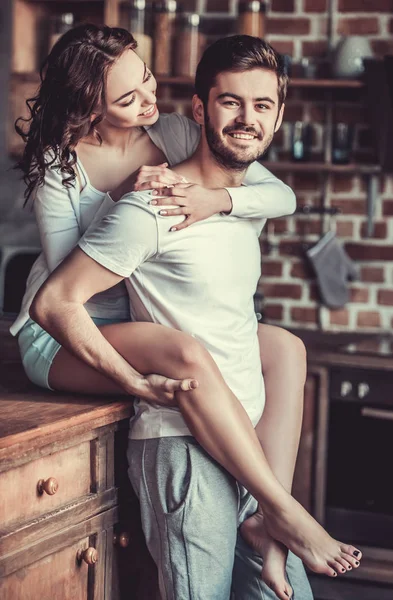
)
(344, 229)
(380, 231)
(304, 315)
(358, 295)
(382, 47)
(282, 290)
(280, 225)
(385, 297)
(350, 113)
(342, 183)
(293, 112)
(291, 248)
(271, 268)
(339, 317)
(217, 6)
(307, 181)
(388, 208)
(315, 5)
(365, 6)
(313, 293)
(358, 26)
(284, 46)
(287, 6)
(369, 253)
(372, 275)
(301, 270)
(315, 48)
(368, 319)
(309, 227)
(273, 311)
(350, 206)
(287, 26)
(317, 113)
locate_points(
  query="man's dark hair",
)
(239, 53)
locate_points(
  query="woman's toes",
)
(352, 551)
(344, 563)
(351, 560)
(337, 566)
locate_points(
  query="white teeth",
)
(242, 136)
(149, 111)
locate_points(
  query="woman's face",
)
(130, 93)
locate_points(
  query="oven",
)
(359, 469)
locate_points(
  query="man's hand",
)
(161, 390)
(194, 201)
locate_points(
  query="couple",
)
(195, 283)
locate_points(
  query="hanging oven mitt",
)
(333, 268)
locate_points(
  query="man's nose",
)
(246, 116)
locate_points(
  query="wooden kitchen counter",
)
(69, 520)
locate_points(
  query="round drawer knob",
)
(49, 486)
(90, 556)
(122, 539)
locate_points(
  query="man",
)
(201, 281)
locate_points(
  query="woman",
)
(88, 132)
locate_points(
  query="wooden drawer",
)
(59, 575)
(19, 487)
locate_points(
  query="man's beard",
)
(232, 159)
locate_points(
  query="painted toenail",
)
(342, 570)
(356, 552)
(357, 563)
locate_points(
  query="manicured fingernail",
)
(154, 193)
(163, 212)
(173, 229)
(356, 552)
(153, 201)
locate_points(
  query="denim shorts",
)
(38, 350)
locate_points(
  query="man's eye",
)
(130, 102)
(148, 76)
(230, 103)
(263, 106)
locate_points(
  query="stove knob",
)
(363, 389)
(346, 388)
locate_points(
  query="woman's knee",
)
(279, 346)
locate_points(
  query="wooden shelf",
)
(300, 83)
(320, 167)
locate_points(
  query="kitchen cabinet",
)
(69, 525)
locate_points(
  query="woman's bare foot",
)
(294, 527)
(274, 555)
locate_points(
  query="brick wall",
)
(299, 28)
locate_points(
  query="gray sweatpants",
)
(191, 509)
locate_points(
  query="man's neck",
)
(202, 168)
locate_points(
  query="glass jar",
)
(139, 29)
(164, 29)
(189, 46)
(252, 19)
(59, 25)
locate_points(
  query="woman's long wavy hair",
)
(72, 89)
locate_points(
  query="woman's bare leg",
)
(220, 424)
(283, 358)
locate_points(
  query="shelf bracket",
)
(372, 196)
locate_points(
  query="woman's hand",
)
(194, 201)
(147, 178)
(161, 390)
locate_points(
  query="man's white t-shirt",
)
(200, 280)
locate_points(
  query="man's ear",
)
(197, 110)
(279, 118)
